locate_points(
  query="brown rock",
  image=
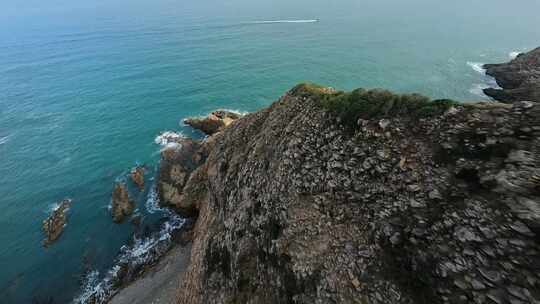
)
(137, 176)
(214, 122)
(54, 225)
(176, 165)
(122, 205)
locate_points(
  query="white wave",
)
(285, 21)
(168, 137)
(513, 54)
(238, 112)
(52, 207)
(152, 201)
(477, 67)
(143, 251)
(478, 89)
(4, 140)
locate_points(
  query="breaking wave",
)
(168, 137)
(513, 54)
(477, 67)
(152, 201)
(241, 113)
(97, 289)
(487, 81)
(478, 89)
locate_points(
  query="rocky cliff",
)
(519, 79)
(362, 197)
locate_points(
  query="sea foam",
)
(488, 81)
(97, 289)
(477, 67)
(168, 137)
(513, 54)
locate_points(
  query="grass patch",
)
(372, 104)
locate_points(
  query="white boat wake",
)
(285, 21)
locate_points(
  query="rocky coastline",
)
(348, 197)
(406, 200)
(519, 79)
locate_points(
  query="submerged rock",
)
(137, 176)
(214, 122)
(121, 205)
(519, 78)
(54, 225)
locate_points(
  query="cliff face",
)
(293, 207)
(519, 78)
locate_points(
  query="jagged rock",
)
(137, 176)
(121, 205)
(176, 165)
(54, 225)
(214, 122)
(309, 212)
(519, 78)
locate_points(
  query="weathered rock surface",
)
(294, 208)
(214, 122)
(54, 225)
(137, 176)
(121, 205)
(177, 163)
(519, 78)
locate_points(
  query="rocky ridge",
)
(294, 205)
(519, 79)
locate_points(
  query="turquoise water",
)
(86, 86)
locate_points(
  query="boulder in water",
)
(137, 176)
(122, 205)
(54, 225)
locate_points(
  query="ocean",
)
(87, 87)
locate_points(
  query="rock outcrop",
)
(121, 204)
(54, 225)
(137, 176)
(519, 78)
(214, 122)
(177, 163)
(295, 206)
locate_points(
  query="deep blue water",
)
(86, 86)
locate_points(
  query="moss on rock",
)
(369, 104)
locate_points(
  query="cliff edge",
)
(363, 197)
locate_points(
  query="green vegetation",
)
(369, 104)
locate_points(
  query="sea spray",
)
(487, 81)
(513, 54)
(168, 137)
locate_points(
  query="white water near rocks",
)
(487, 81)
